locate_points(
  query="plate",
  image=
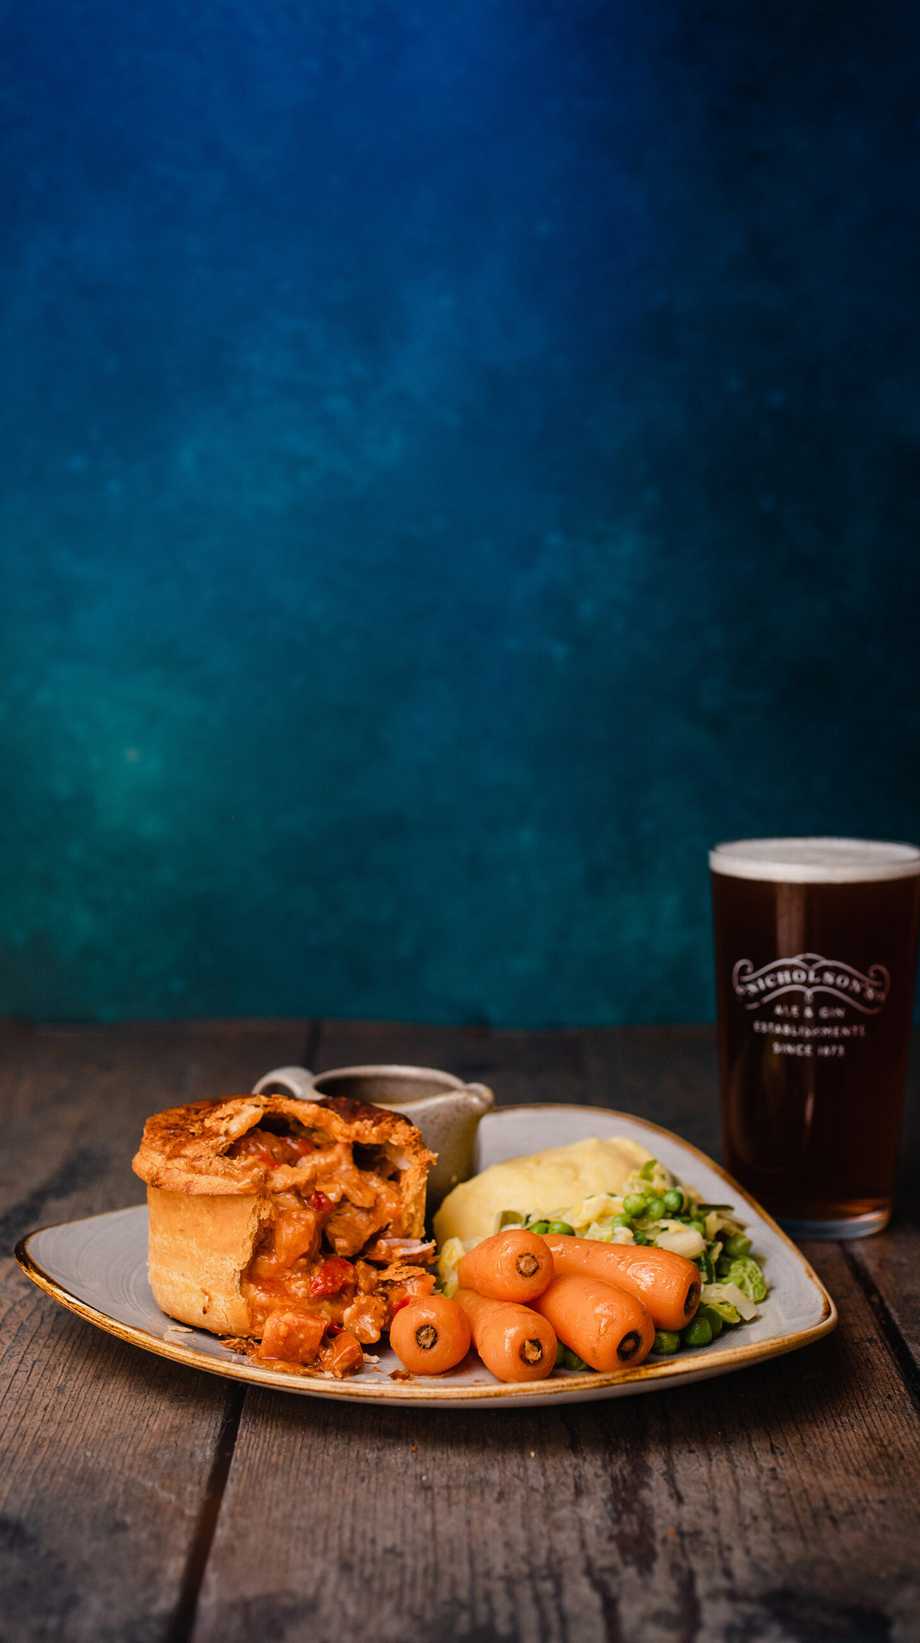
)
(98, 1269)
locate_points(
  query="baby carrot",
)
(607, 1327)
(513, 1265)
(515, 1343)
(430, 1335)
(668, 1284)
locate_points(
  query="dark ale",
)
(816, 947)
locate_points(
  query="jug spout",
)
(475, 1099)
(449, 1122)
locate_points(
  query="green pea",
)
(648, 1169)
(538, 1226)
(634, 1203)
(666, 1342)
(570, 1360)
(715, 1323)
(562, 1228)
(673, 1201)
(622, 1221)
(737, 1245)
(654, 1209)
(699, 1333)
(697, 1225)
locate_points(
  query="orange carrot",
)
(607, 1327)
(430, 1335)
(668, 1284)
(512, 1341)
(513, 1265)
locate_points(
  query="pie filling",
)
(333, 1262)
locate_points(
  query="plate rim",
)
(431, 1393)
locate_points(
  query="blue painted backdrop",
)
(457, 462)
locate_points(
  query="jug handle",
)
(293, 1081)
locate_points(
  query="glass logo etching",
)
(810, 976)
(809, 1002)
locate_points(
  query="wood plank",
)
(764, 1506)
(522, 1066)
(76, 1098)
(889, 1269)
(666, 1074)
(105, 1453)
(889, 1265)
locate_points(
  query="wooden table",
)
(142, 1501)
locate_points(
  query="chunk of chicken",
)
(366, 1318)
(342, 1355)
(292, 1336)
(349, 1227)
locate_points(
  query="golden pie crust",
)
(208, 1207)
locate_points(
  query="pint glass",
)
(816, 946)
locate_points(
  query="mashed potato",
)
(543, 1184)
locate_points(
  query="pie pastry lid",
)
(186, 1149)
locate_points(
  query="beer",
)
(816, 947)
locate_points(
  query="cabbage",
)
(728, 1313)
(652, 1177)
(746, 1273)
(681, 1240)
(598, 1206)
(452, 1253)
(730, 1294)
(510, 1218)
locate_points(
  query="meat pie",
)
(298, 1225)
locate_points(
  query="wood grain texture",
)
(761, 1507)
(105, 1453)
(776, 1506)
(666, 1074)
(539, 1066)
(888, 1268)
(890, 1265)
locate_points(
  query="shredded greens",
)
(654, 1207)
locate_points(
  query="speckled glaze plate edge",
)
(798, 1311)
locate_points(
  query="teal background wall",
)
(456, 463)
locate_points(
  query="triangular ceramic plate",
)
(98, 1269)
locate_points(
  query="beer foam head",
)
(815, 861)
